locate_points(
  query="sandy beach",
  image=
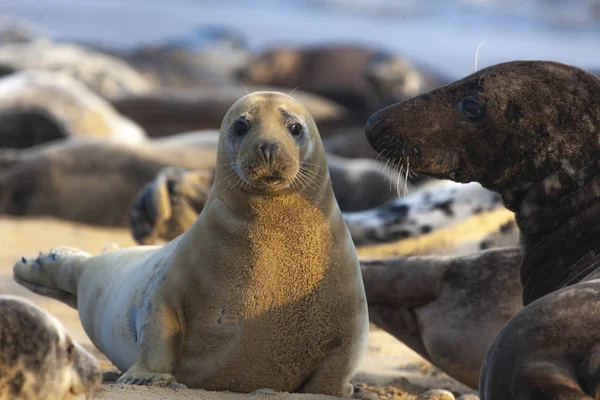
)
(389, 369)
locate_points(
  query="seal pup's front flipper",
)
(159, 346)
(54, 274)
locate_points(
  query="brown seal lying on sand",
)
(529, 130)
(358, 77)
(172, 111)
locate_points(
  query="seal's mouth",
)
(268, 183)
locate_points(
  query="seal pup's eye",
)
(70, 350)
(296, 129)
(241, 126)
(471, 108)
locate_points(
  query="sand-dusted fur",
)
(38, 358)
(263, 291)
(448, 309)
(530, 131)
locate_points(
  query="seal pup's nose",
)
(268, 150)
(373, 130)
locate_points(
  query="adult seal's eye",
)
(296, 130)
(471, 108)
(241, 127)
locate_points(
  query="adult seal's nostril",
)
(268, 150)
(373, 130)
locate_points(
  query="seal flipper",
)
(54, 274)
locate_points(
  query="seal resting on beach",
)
(448, 309)
(528, 130)
(358, 77)
(263, 291)
(38, 358)
(41, 106)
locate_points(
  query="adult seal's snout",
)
(374, 129)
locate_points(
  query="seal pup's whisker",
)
(289, 95)
(314, 165)
(227, 176)
(306, 175)
(406, 177)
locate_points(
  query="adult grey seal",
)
(42, 106)
(263, 291)
(38, 358)
(528, 130)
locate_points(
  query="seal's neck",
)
(560, 237)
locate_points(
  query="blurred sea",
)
(441, 33)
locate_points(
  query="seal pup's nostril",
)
(267, 151)
(373, 129)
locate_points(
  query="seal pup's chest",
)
(276, 305)
(289, 243)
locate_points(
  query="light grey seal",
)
(38, 358)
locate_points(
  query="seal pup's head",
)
(512, 127)
(269, 145)
(39, 359)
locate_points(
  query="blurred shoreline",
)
(430, 32)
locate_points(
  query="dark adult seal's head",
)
(269, 145)
(529, 130)
(513, 127)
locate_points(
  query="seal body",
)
(448, 309)
(263, 291)
(529, 131)
(42, 106)
(38, 359)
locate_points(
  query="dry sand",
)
(389, 369)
